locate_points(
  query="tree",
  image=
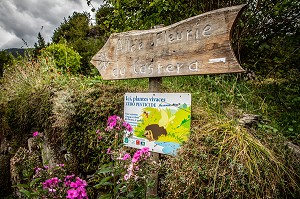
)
(41, 44)
(81, 36)
(6, 59)
(268, 36)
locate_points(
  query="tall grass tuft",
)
(224, 160)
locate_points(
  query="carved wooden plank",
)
(197, 45)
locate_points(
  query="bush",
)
(66, 59)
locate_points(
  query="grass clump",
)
(223, 160)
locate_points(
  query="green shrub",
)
(66, 59)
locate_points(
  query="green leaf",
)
(104, 182)
(131, 194)
(105, 170)
(21, 186)
(106, 196)
(116, 189)
(34, 181)
(26, 193)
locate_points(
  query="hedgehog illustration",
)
(153, 131)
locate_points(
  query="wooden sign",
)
(197, 45)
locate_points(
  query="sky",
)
(24, 19)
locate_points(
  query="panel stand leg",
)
(154, 87)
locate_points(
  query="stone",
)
(249, 120)
(5, 183)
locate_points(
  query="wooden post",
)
(154, 87)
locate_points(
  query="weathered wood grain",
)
(197, 45)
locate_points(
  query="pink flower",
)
(81, 192)
(126, 176)
(108, 151)
(72, 194)
(126, 156)
(35, 134)
(145, 150)
(80, 182)
(127, 126)
(112, 121)
(99, 137)
(68, 177)
(50, 183)
(55, 181)
(52, 190)
(135, 159)
(73, 185)
(37, 169)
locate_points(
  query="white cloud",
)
(25, 19)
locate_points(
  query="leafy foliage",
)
(41, 44)
(5, 60)
(66, 59)
(82, 37)
(268, 33)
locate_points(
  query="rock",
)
(249, 120)
(22, 162)
(48, 155)
(295, 149)
(5, 183)
(4, 147)
(32, 145)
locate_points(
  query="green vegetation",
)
(59, 93)
(65, 58)
(5, 60)
(219, 154)
(82, 37)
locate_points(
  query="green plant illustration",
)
(176, 122)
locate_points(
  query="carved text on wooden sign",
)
(198, 45)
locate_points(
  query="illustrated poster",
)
(160, 121)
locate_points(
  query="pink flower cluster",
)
(126, 156)
(112, 122)
(35, 134)
(51, 184)
(127, 126)
(73, 187)
(138, 156)
(144, 152)
(77, 190)
(115, 122)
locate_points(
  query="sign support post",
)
(155, 84)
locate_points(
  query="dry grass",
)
(224, 160)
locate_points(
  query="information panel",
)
(160, 121)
